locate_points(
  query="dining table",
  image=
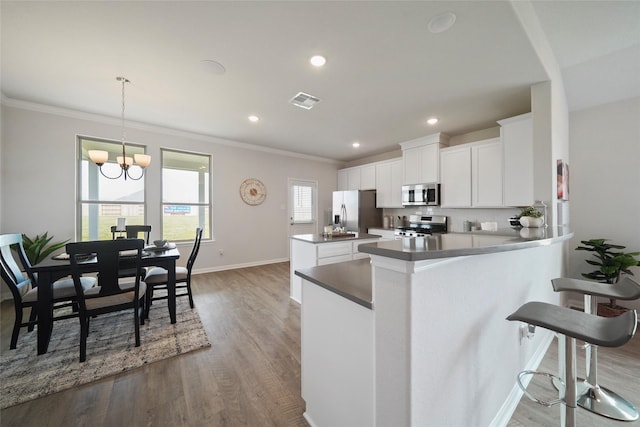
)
(54, 268)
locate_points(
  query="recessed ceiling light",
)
(432, 121)
(441, 23)
(214, 67)
(318, 60)
(253, 118)
(355, 145)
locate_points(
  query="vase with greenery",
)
(610, 260)
(39, 247)
(531, 217)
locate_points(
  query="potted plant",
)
(38, 248)
(611, 262)
(531, 217)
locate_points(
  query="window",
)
(302, 203)
(185, 195)
(101, 201)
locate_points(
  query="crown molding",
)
(99, 118)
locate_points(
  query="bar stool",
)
(591, 395)
(571, 324)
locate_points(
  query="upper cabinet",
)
(471, 174)
(389, 184)
(516, 134)
(421, 158)
(455, 183)
(357, 178)
(486, 169)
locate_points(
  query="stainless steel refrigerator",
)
(356, 210)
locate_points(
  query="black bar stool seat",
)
(574, 325)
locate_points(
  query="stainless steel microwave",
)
(421, 195)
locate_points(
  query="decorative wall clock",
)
(253, 191)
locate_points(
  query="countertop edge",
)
(373, 249)
(312, 275)
(318, 239)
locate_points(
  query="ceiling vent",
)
(304, 100)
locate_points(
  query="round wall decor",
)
(253, 191)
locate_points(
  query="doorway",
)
(303, 207)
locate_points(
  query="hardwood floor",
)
(249, 377)
(251, 374)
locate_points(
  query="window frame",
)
(209, 204)
(80, 202)
(313, 209)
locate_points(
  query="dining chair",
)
(113, 293)
(133, 232)
(17, 274)
(157, 278)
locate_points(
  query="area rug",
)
(110, 350)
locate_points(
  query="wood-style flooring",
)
(251, 374)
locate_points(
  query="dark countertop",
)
(351, 280)
(463, 244)
(319, 238)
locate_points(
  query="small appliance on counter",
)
(421, 226)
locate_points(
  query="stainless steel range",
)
(420, 226)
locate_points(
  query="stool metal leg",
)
(598, 399)
(568, 410)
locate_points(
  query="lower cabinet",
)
(384, 233)
(306, 254)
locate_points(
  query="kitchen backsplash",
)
(458, 216)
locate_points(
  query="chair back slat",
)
(194, 250)
(12, 272)
(133, 232)
(106, 262)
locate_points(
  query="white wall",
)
(605, 179)
(38, 183)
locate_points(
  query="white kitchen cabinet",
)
(486, 169)
(357, 178)
(516, 134)
(389, 184)
(353, 178)
(384, 233)
(368, 177)
(471, 174)
(421, 159)
(455, 177)
(343, 180)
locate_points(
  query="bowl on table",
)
(160, 243)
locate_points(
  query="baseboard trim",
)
(509, 406)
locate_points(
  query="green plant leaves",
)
(38, 248)
(609, 258)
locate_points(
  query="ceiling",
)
(385, 72)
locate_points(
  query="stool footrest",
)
(547, 403)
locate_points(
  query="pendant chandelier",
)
(100, 157)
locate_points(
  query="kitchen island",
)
(309, 250)
(425, 342)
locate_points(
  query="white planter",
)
(529, 221)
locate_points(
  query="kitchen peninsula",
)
(309, 250)
(417, 335)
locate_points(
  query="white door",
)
(303, 210)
